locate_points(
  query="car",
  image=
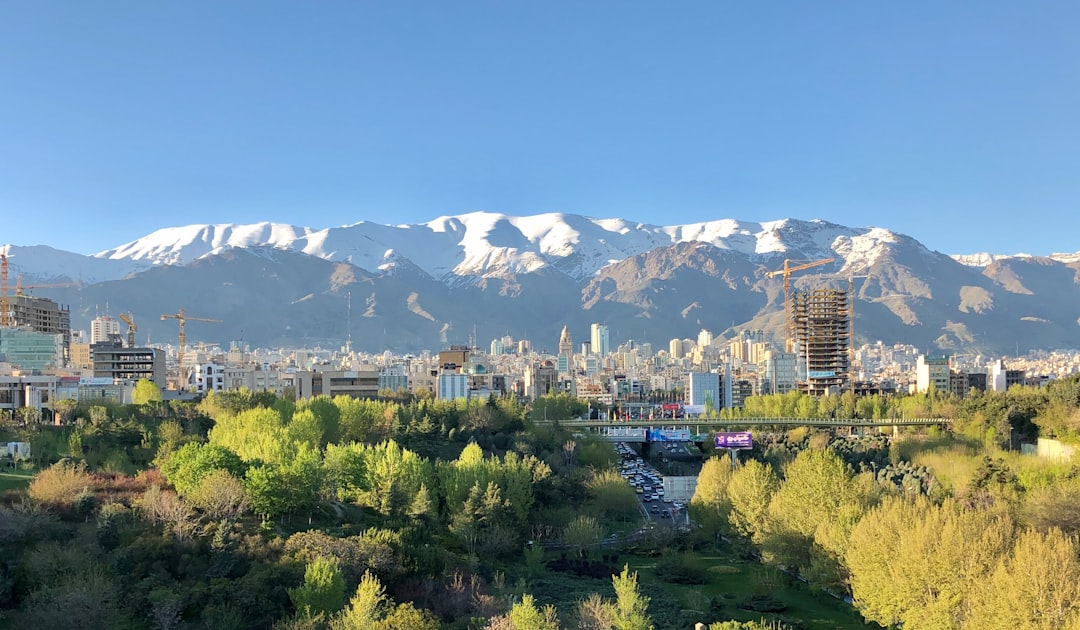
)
(639, 490)
(666, 514)
(654, 509)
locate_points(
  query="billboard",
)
(737, 439)
(669, 435)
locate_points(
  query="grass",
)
(15, 480)
(732, 580)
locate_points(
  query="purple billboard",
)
(738, 439)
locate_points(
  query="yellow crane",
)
(132, 328)
(787, 270)
(20, 287)
(182, 317)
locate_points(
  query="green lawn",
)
(15, 480)
(731, 582)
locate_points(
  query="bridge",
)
(638, 430)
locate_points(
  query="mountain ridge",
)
(425, 285)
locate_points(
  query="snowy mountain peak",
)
(463, 248)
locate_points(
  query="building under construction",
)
(40, 315)
(819, 321)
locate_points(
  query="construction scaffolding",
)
(820, 322)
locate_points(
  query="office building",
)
(599, 340)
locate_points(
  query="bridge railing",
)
(761, 421)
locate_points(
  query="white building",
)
(102, 327)
(599, 340)
(932, 372)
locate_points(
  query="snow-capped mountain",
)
(985, 259)
(456, 249)
(422, 286)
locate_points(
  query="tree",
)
(525, 615)
(365, 608)
(916, 564)
(221, 496)
(710, 505)
(613, 497)
(582, 532)
(595, 613)
(631, 607)
(187, 466)
(145, 391)
(408, 617)
(323, 590)
(750, 490)
(813, 512)
(1037, 587)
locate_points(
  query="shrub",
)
(61, 484)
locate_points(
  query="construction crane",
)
(786, 272)
(182, 317)
(132, 328)
(20, 287)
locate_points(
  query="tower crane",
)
(786, 272)
(182, 317)
(132, 328)
(20, 287)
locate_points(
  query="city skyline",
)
(937, 122)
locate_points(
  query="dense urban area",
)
(737, 483)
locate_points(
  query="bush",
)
(677, 569)
(763, 603)
(61, 484)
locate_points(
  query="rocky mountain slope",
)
(423, 286)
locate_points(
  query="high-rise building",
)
(102, 327)
(703, 389)
(566, 352)
(600, 342)
(675, 348)
(31, 350)
(932, 372)
(704, 338)
(820, 321)
(42, 315)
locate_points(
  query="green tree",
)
(631, 607)
(613, 498)
(187, 466)
(710, 505)
(1037, 587)
(750, 491)
(408, 617)
(812, 512)
(145, 391)
(526, 615)
(582, 532)
(366, 607)
(917, 564)
(323, 590)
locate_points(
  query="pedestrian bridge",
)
(643, 430)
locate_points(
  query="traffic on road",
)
(649, 485)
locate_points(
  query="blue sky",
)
(955, 123)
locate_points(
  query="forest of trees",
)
(253, 511)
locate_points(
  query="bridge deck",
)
(760, 422)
